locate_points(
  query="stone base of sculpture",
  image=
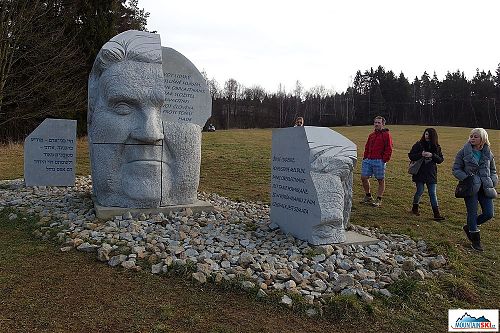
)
(106, 213)
(355, 238)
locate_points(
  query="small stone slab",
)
(106, 213)
(50, 154)
(354, 238)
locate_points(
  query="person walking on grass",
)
(476, 160)
(378, 151)
(428, 149)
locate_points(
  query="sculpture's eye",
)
(122, 108)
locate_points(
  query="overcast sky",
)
(321, 42)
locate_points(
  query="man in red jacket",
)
(378, 151)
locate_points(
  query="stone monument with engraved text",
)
(147, 106)
(311, 183)
(50, 154)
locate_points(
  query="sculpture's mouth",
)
(145, 162)
(143, 155)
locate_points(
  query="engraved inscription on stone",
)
(290, 185)
(50, 154)
(187, 97)
(311, 183)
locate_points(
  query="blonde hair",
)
(482, 134)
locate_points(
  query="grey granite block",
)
(311, 183)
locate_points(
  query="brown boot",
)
(437, 216)
(414, 209)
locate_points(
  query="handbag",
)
(465, 188)
(414, 166)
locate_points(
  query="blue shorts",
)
(373, 167)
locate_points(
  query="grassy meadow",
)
(43, 290)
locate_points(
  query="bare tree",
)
(213, 85)
(214, 88)
(15, 19)
(39, 64)
(255, 93)
(281, 97)
(231, 88)
(298, 97)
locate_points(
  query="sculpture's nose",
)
(150, 129)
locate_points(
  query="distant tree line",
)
(47, 49)
(454, 101)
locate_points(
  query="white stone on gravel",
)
(286, 300)
(319, 285)
(246, 259)
(385, 292)
(87, 247)
(366, 297)
(319, 258)
(129, 264)
(289, 285)
(247, 285)
(418, 275)
(312, 312)
(296, 275)
(348, 292)
(157, 268)
(200, 277)
(117, 260)
(104, 251)
(261, 294)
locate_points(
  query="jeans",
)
(473, 220)
(431, 188)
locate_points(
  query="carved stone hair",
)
(138, 46)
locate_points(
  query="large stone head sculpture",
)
(147, 105)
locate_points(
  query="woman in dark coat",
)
(429, 149)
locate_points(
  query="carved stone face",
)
(138, 159)
(127, 136)
(147, 104)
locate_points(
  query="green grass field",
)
(44, 290)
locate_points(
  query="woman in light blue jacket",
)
(475, 159)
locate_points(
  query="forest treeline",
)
(47, 49)
(453, 101)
